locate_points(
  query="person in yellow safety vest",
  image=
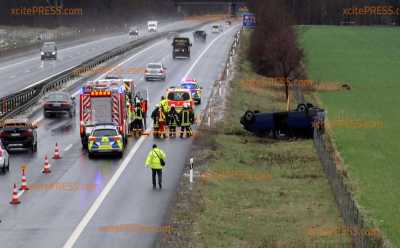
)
(162, 123)
(156, 161)
(186, 119)
(164, 105)
(155, 115)
(137, 120)
(172, 121)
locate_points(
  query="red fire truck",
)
(107, 101)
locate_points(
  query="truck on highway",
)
(106, 101)
(152, 26)
(181, 47)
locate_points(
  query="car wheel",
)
(8, 164)
(46, 115)
(301, 107)
(120, 154)
(91, 155)
(249, 116)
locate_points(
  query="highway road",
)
(123, 191)
(23, 71)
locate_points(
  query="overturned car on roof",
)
(298, 123)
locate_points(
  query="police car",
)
(105, 139)
(194, 87)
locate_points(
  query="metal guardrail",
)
(14, 104)
(207, 113)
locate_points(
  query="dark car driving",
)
(200, 35)
(18, 133)
(48, 51)
(58, 103)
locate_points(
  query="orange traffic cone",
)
(23, 181)
(57, 153)
(14, 199)
(46, 167)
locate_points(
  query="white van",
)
(152, 26)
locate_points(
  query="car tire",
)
(90, 155)
(301, 107)
(46, 115)
(249, 116)
(8, 164)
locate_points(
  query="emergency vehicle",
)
(194, 87)
(178, 96)
(107, 101)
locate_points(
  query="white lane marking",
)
(205, 50)
(40, 118)
(99, 200)
(68, 147)
(97, 203)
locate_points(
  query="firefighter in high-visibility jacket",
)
(155, 115)
(186, 119)
(164, 105)
(172, 121)
(137, 120)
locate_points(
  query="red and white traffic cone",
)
(24, 186)
(46, 167)
(57, 152)
(14, 199)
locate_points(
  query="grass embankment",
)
(255, 192)
(368, 59)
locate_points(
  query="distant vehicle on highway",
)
(105, 139)
(178, 97)
(58, 103)
(194, 87)
(298, 123)
(133, 32)
(48, 51)
(18, 133)
(4, 159)
(215, 29)
(155, 71)
(152, 26)
(199, 35)
(181, 47)
(228, 23)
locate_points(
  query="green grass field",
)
(257, 192)
(368, 59)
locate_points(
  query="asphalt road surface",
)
(23, 71)
(110, 191)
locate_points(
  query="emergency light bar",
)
(100, 93)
